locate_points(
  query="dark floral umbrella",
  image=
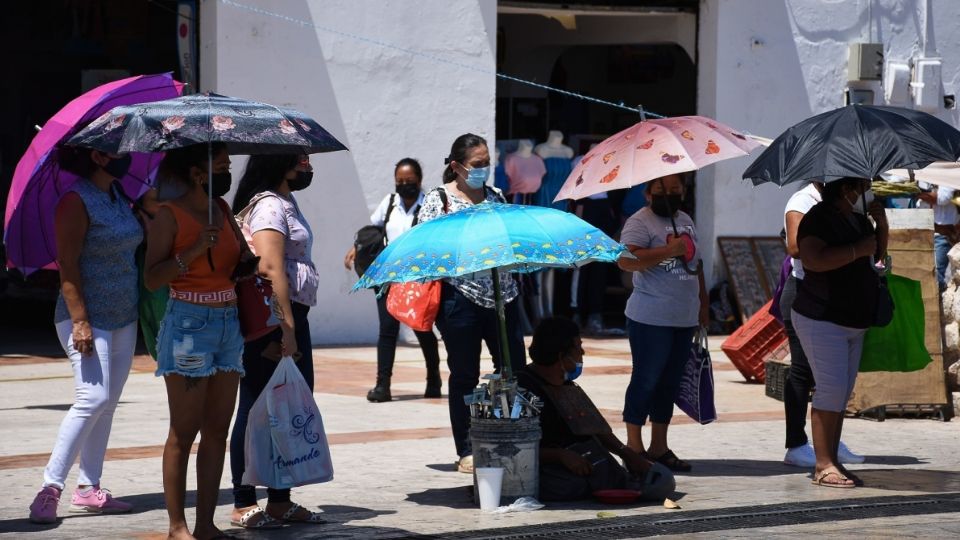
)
(246, 127)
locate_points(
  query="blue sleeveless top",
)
(108, 268)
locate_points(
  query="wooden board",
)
(912, 253)
(771, 251)
(746, 275)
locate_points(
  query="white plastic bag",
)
(285, 444)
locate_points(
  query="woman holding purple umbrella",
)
(97, 235)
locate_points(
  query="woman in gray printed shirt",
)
(668, 303)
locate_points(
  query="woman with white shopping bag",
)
(281, 236)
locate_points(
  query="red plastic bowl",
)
(617, 496)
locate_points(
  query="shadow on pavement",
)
(894, 460)
(455, 497)
(923, 480)
(23, 525)
(748, 467)
(739, 467)
(443, 467)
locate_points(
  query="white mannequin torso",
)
(554, 147)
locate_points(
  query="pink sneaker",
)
(94, 500)
(44, 506)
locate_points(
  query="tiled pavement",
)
(395, 474)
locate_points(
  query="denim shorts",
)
(197, 341)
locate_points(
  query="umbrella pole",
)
(506, 369)
(210, 197)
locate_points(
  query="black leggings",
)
(796, 393)
(387, 344)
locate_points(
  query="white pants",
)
(98, 380)
(834, 355)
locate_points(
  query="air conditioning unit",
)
(866, 62)
(926, 84)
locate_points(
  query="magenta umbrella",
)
(38, 183)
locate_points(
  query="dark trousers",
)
(796, 393)
(464, 327)
(660, 354)
(387, 344)
(258, 373)
(593, 277)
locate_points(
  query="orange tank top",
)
(200, 284)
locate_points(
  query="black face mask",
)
(220, 182)
(118, 167)
(408, 191)
(301, 181)
(666, 205)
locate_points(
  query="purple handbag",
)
(695, 397)
(785, 270)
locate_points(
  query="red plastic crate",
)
(749, 344)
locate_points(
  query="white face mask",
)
(863, 202)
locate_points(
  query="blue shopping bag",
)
(695, 397)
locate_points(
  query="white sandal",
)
(265, 522)
(314, 518)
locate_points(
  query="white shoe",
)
(848, 457)
(800, 456)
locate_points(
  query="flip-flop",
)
(672, 462)
(264, 523)
(315, 518)
(818, 479)
(857, 481)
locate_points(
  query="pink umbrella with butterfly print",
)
(653, 149)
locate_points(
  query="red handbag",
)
(256, 308)
(415, 304)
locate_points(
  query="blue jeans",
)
(941, 246)
(465, 326)
(660, 354)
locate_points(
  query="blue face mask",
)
(571, 375)
(477, 177)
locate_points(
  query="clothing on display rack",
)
(556, 157)
(524, 170)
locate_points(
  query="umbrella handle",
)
(506, 369)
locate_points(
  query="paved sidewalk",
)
(395, 475)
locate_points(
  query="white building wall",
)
(383, 104)
(764, 65)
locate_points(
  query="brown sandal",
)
(819, 479)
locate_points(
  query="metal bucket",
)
(513, 445)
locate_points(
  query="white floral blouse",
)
(478, 289)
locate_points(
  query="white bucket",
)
(489, 481)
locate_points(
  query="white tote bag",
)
(286, 445)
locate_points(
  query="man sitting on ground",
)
(577, 446)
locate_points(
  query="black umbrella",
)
(857, 140)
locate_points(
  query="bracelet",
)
(181, 264)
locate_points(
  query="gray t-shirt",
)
(664, 295)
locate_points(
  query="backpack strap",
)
(416, 216)
(487, 191)
(390, 205)
(443, 199)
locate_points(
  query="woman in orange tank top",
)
(199, 344)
